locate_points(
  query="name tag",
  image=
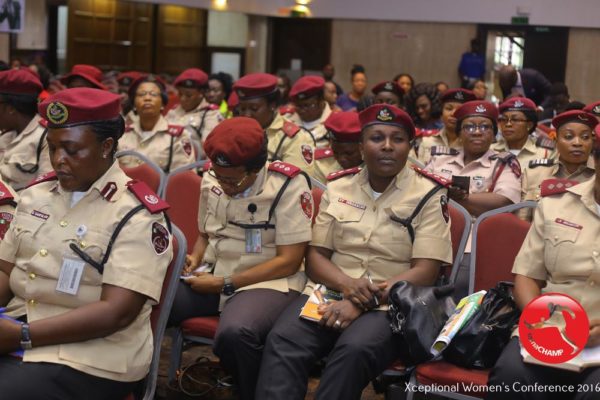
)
(253, 241)
(70, 275)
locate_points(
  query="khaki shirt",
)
(5, 139)
(157, 146)
(363, 238)
(37, 242)
(530, 151)
(562, 246)
(439, 139)
(319, 131)
(481, 171)
(297, 150)
(20, 156)
(325, 163)
(200, 121)
(227, 242)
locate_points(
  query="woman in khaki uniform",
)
(83, 308)
(26, 153)
(311, 109)
(255, 222)
(360, 250)
(169, 146)
(561, 254)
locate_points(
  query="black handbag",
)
(418, 314)
(480, 342)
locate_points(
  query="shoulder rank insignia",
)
(541, 162)
(175, 130)
(43, 122)
(509, 159)
(434, 177)
(426, 132)
(207, 165)
(545, 143)
(213, 107)
(287, 109)
(322, 153)
(443, 151)
(147, 197)
(290, 129)
(50, 176)
(556, 186)
(5, 194)
(345, 172)
(286, 169)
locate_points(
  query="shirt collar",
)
(161, 125)
(113, 175)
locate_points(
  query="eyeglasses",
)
(472, 128)
(228, 182)
(306, 107)
(147, 93)
(511, 120)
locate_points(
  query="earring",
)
(104, 155)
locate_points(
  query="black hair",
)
(559, 88)
(260, 160)
(110, 128)
(273, 97)
(423, 89)
(4, 66)
(575, 105)
(364, 103)
(471, 85)
(357, 69)
(226, 81)
(23, 103)
(409, 76)
(150, 78)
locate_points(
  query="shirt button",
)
(82, 244)
(32, 302)
(63, 223)
(555, 237)
(43, 252)
(374, 208)
(32, 276)
(595, 253)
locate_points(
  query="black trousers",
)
(245, 321)
(47, 381)
(512, 374)
(355, 356)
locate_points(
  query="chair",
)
(147, 172)
(317, 192)
(182, 192)
(497, 238)
(160, 312)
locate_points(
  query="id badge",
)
(70, 275)
(253, 241)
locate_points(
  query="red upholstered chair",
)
(149, 172)
(317, 192)
(160, 312)
(497, 238)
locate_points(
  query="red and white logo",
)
(554, 328)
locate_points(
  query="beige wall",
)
(583, 65)
(226, 29)
(257, 48)
(34, 36)
(429, 51)
(5, 47)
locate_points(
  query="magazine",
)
(320, 295)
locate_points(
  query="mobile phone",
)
(461, 182)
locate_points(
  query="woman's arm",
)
(5, 293)
(526, 289)
(478, 203)
(422, 272)
(193, 259)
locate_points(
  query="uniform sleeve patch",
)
(307, 153)
(160, 238)
(306, 204)
(5, 220)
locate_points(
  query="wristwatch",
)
(25, 338)
(228, 288)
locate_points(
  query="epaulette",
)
(213, 107)
(207, 165)
(175, 130)
(287, 109)
(545, 143)
(50, 176)
(350, 171)
(284, 168)
(443, 151)
(290, 129)
(541, 162)
(427, 132)
(5, 194)
(147, 197)
(508, 158)
(43, 122)
(434, 177)
(556, 186)
(322, 153)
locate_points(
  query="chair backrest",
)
(497, 238)
(160, 312)
(148, 172)
(317, 192)
(182, 192)
(460, 228)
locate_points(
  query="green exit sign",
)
(519, 20)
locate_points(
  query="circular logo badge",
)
(57, 113)
(554, 328)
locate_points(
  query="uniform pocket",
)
(559, 243)
(348, 225)
(399, 232)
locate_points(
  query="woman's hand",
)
(10, 336)
(362, 293)
(339, 315)
(594, 339)
(191, 263)
(456, 193)
(204, 282)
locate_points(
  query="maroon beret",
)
(147, 78)
(255, 85)
(580, 116)
(344, 126)
(88, 72)
(388, 86)
(306, 87)
(457, 96)
(387, 115)
(127, 78)
(477, 108)
(517, 104)
(233, 101)
(79, 106)
(20, 81)
(191, 78)
(234, 142)
(593, 108)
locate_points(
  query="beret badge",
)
(480, 109)
(459, 96)
(596, 109)
(222, 161)
(57, 113)
(519, 104)
(385, 115)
